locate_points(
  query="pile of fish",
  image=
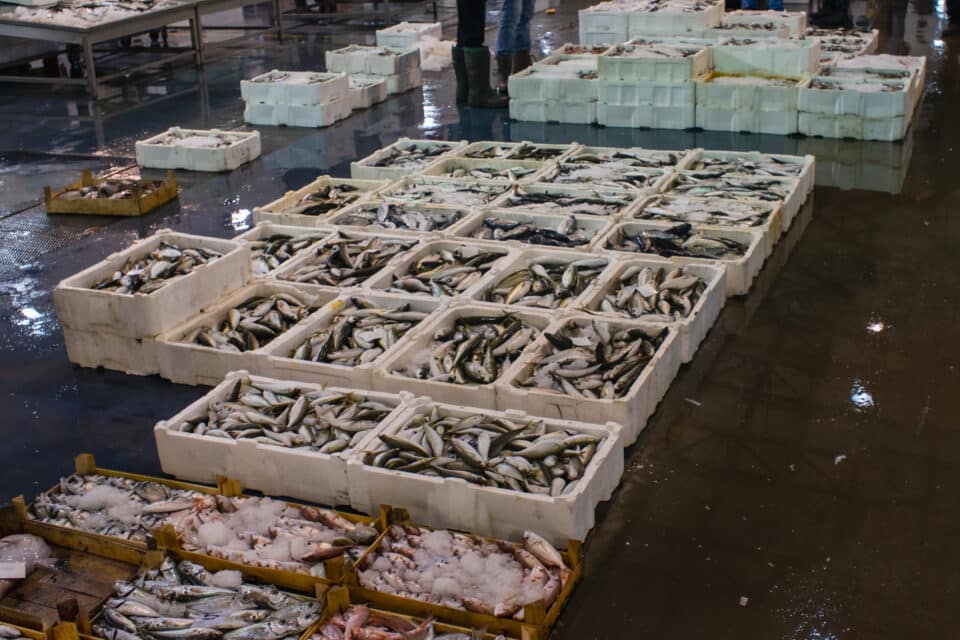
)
(593, 360)
(466, 195)
(517, 151)
(186, 602)
(492, 452)
(446, 272)
(410, 155)
(12, 633)
(462, 571)
(508, 174)
(734, 187)
(81, 13)
(270, 534)
(359, 621)
(192, 139)
(723, 212)
(769, 166)
(642, 293)
(860, 85)
(400, 216)
(269, 253)
(473, 350)
(768, 27)
(112, 189)
(612, 175)
(252, 324)
(347, 261)
(559, 203)
(300, 78)
(568, 232)
(148, 273)
(331, 197)
(359, 333)
(546, 283)
(680, 240)
(641, 48)
(111, 506)
(281, 414)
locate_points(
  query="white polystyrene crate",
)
(266, 230)
(692, 329)
(185, 151)
(349, 219)
(748, 93)
(590, 177)
(781, 58)
(403, 82)
(907, 68)
(603, 38)
(853, 98)
(564, 112)
(626, 199)
(133, 356)
(646, 116)
(195, 364)
(284, 366)
(508, 150)
(367, 169)
(649, 94)
(544, 84)
(444, 192)
(417, 350)
(857, 127)
(606, 18)
(626, 63)
(674, 21)
(139, 315)
(747, 120)
(844, 43)
(740, 272)
(366, 91)
(294, 87)
(292, 115)
(631, 411)
(594, 226)
(795, 22)
(283, 209)
(457, 504)
(379, 61)
(790, 205)
(406, 35)
(526, 170)
(800, 167)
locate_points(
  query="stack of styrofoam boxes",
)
(198, 149)
(885, 64)
(760, 24)
(366, 91)
(605, 23)
(425, 36)
(837, 44)
(770, 57)
(650, 83)
(754, 104)
(120, 331)
(400, 68)
(690, 18)
(561, 88)
(296, 98)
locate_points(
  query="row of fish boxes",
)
(340, 583)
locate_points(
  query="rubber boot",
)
(504, 69)
(460, 69)
(478, 75)
(521, 60)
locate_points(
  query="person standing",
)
(513, 40)
(471, 58)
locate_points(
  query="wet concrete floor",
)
(799, 478)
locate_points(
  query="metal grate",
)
(30, 234)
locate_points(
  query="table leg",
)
(196, 36)
(278, 12)
(91, 71)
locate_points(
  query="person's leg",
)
(522, 43)
(775, 5)
(471, 22)
(510, 14)
(473, 76)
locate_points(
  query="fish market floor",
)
(799, 480)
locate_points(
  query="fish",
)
(480, 172)
(709, 209)
(359, 621)
(546, 283)
(253, 323)
(568, 231)
(680, 240)
(734, 187)
(544, 200)
(327, 199)
(268, 253)
(346, 260)
(6, 631)
(411, 156)
(653, 48)
(716, 165)
(445, 271)
(461, 194)
(156, 269)
(592, 360)
(653, 295)
(515, 151)
(405, 217)
(200, 139)
(316, 77)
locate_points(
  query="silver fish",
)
(680, 240)
(546, 283)
(458, 194)
(346, 261)
(158, 268)
(268, 253)
(412, 155)
(543, 200)
(709, 210)
(326, 200)
(567, 232)
(407, 217)
(642, 293)
(445, 272)
(253, 323)
(516, 151)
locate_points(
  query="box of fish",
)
(198, 149)
(764, 217)
(553, 111)
(406, 35)
(740, 251)
(588, 198)
(459, 355)
(674, 18)
(916, 66)
(443, 269)
(853, 127)
(567, 78)
(748, 93)
(863, 93)
(294, 87)
(717, 164)
(322, 114)
(515, 151)
(511, 171)
(93, 349)
(455, 466)
(790, 23)
(651, 60)
(615, 169)
(402, 158)
(377, 61)
(604, 23)
(547, 229)
(839, 44)
(312, 204)
(649, 116)
(271, 244)
(688, 297)
(274, 436)
(784, 191)
(544, 279)
(595, 369)
(345, 260)
(364, 91)
(344, 343)
(401, 219)
(776, 57)
(231, 334)
(457, 193)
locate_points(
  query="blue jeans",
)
(772, 5)
(514, 32)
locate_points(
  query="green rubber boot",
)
(481, 95)
(460, 69)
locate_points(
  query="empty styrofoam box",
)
(260, 235)
(296, 472)
(547, 84)
(674, 20)
(858, 96)
(422, 221)
(488, 150)
(287, 115)
(142, 315)
(403, 82)
(552, 111)
(693, 328)
(464, 168)
(781, 123)
(93, 349)
(785, 191)
(647, 116)
(749, 92)
(591, 227)
(502, 513)
(647, 94)
(795, 22)
(378, 61)
(406, 35)
(777, 57)
(391, 163)
(853, 126)
(799, 167)
(198, 149)
(294, 87)
(186, 362)
(740, 271)
(287, 209)
(366, 91)
(655, 61)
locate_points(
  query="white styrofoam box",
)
(546, 83)
(280, 351)
(140, 315)
(266, 230)
(858, 127)
(196, 364)
(508, 150)
(799, 167)
(793, 194)
(838, 44)
(284, 210)
(747, 120)
(378, 61)
(795, 22)
(603, 167)
(740, 271)
(502, 513)
(646, 116)
(591, 226)
(781, 58)
(369, 168)
(294, 115)
(674, 20)
(604, 23)
(189, 149)
(880, 66)
(626, 199)
(654, 61)
(460, 168)
(631, 411)
(294, 87)
(480, 193)
(858, 96)
(642, 93)
(406, 35)
(366, 91)
(692, 329)
(565, 112)
(749, 92)
(133, 356)
(271, 469)
(403, 82)
(602, 38)
(357, 218)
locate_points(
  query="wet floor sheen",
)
(798, 480)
